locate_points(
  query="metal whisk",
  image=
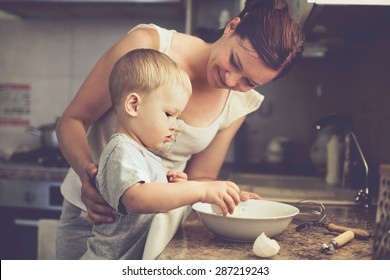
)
(310, 211)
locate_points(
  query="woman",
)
(258, 46)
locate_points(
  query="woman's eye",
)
(233, 63)
(250, 83)
(168, 114)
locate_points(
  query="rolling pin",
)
(337, 242)
(359, 233)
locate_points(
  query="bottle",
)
(333, 150)
(346, 177)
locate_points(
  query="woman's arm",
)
(207, 164)
(162, 197)
(89, 104)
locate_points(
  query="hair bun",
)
(251, 5)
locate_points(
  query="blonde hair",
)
(144, 70)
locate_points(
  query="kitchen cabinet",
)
(299, 10)
(193, 241)
(55, 9)
(213, 14)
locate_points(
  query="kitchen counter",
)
(32, 172)
(193, 241)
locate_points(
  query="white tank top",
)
(188, 140)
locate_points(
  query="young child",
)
(148, 91)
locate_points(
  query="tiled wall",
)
(54, 57)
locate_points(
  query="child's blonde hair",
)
(144, 70)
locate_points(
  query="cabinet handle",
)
(29, 223)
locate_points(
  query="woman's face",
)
(234, 64)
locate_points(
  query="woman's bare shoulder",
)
(185, 39)
(141, 37)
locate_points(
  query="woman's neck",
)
(198, 63)
(192, 54)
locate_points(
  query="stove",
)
(29, 191)
(31, 186)
(47, 157)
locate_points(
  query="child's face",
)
(157, 115)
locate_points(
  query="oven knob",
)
(29, 197)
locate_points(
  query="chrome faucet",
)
(363, 195)
(342, 125)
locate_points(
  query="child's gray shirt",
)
(122, 164)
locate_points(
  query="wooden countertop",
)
(193, 241)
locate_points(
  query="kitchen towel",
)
(47, 233)
(162, 229)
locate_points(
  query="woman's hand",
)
(174, 177)
(244, 196)
(98, 210)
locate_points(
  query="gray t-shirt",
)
(123, 163)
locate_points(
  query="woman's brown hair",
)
(276, 37)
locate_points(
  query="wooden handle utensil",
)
(337, 242)
(343, 239)
(359, 233)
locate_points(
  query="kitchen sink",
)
(285, 188)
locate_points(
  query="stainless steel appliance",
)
(44, 156)
(28, 192)
(381, 248)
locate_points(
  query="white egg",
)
(265, 247)
(236, 212)
(216, 210)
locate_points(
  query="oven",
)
(28, 193)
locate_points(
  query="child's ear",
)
(132, 102)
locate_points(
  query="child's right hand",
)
(225, 194)
(174, 177)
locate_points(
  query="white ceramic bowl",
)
(255, 217)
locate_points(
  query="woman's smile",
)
(220, 80)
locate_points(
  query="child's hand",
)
(225, 194)
(174, 177)
(244, 196)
